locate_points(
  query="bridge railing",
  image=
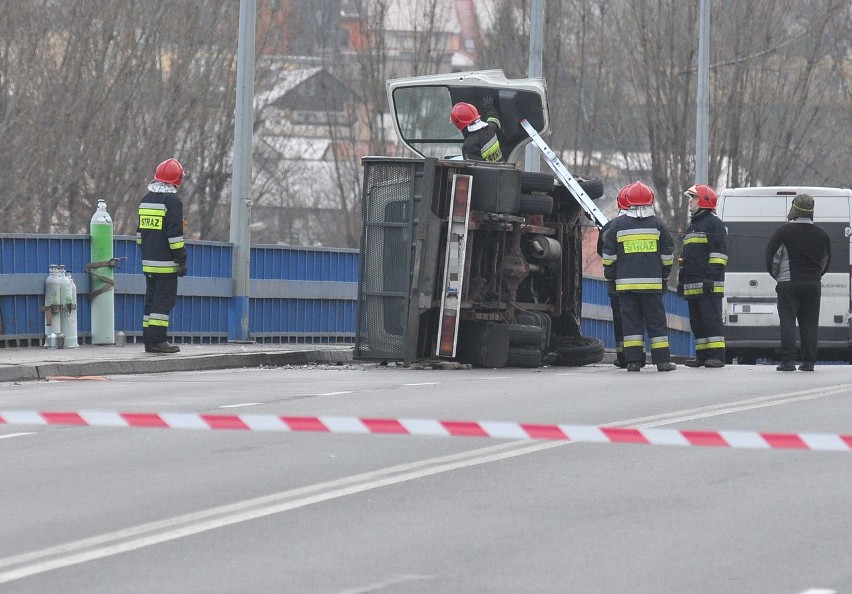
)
(297, 294)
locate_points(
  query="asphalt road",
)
(89, 509)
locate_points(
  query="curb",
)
(18, 373)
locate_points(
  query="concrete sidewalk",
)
(38, 363)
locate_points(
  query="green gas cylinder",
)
(102, 278)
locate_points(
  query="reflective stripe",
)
(626, 234)
(718, 258)
(634, 343)
(659, 342)
(632, 284)
(695, 238)
(608, 262)
(157, 212)
(491, 151)
(667, 259)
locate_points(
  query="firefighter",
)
(160, 235)
(701, 279)
(638, 253)
(480, 137)
(614, 301)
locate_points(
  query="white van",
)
(750, 310)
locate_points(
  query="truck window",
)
(423, 115)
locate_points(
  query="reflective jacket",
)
(638, 254)
(160, 231)
(481, 143)
(705, 255)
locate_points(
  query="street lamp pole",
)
(240, 234)
(702, 116)
(532, 162)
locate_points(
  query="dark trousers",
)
(799, 301)
(640, 312)
(617, 326)
(705, 318)
(160, 298)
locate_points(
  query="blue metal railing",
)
(297, 294)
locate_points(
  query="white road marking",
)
(333, 393)
(144, 535)
(384, 585)
(240, 405)
(137, 537)
(819, 591)
(423, 384)
(8, 435)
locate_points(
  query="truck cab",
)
(469, 261)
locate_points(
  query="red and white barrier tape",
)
(438, 428)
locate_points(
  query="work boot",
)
(633, 367)
(694, 362)
(619, 363)
(162, 347)
(667, 366)
(806, 367)
(786, 366)
(714, 363)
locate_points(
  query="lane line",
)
(198, 522)
(149, 534)
(8, 435)
(241, 405)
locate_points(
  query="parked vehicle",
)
(750, 310)
(470, 261)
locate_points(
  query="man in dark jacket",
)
(638, 253)
(480, 137)
(797, 257)
(160, 234)
(701, 279)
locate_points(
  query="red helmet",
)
(638, 194)
(170, 172)
(621, 199)
(463, 114)
(706, 195)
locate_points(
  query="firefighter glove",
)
(487, 101)
(182, 270)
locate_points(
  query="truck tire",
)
(534, 181)
(593, 187)
(536, 204)
(585, 350)
(525, 335)
(524, 357)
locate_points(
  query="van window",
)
(747, 243)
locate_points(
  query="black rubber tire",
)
(524, 357)
(585, 350)
(536, 204)
(594, 187)
(525, 335)
(535, 181)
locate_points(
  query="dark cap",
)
(803, 206)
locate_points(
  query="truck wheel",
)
(534, 181)
(525, 334)
(536, 204)
(524, 357)
(584, 350)
(593, 187)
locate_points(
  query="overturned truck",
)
(470, 261)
